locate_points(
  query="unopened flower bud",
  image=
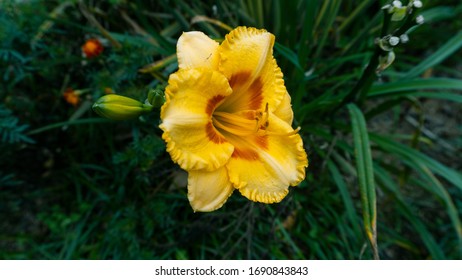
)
(117, 107)
(397, 4)
(419, 19)
(156, 97)
(417, 4)
(393, 41)
(385, 61)
(404, 38)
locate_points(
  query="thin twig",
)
(138, 29)
(87, 14)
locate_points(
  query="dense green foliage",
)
(383, 149)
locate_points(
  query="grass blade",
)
(365, 175)
(451, 209)
(454, 97)
(417, 157)
(406, 210)
(438, 13)
(451, 46)
(357, 12)
(66, 123)
(288, 54)
(384, 90)
(327, 24)
(349, 206)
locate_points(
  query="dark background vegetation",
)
(76, 186)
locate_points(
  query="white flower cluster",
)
(399, 11)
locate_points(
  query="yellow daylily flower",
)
(227, 120)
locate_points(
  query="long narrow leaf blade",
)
(365, 174)
(409, 213)
(384, 90)
(413, 155)
(349, 207)
(451, 46)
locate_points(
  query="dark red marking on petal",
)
(255, 94)
(213, 135)
(262, 141)
(246, 154)
(243, 152)
(212, 104)
(238, 79)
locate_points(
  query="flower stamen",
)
(228, 128)
(232, 118)
(264, 118)
(235, 124)
(245, 123)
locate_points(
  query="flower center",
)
(242, 123)
(247, 122)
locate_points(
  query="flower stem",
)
(359, 92)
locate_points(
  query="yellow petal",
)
(263, 167)
(191, 97)
(195, 49)
(284, 110)
(208, 191)
(246, 59)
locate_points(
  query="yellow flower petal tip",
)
(227, 120)
(195, 49)
(208, 191)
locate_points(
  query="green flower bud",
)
(156, 97)
(385, 61)
(398, 13)
(117, 107)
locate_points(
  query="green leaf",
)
(408, 212)
(324, 22)
(416, 157)
(440, 95)
(438, 13)
(454, 97)
(66, 123)
(365, 173)
(383, 90)
(10, 129)
(346, 197)
(451, 46)
(435, 184)
(289, 54)
(363, 5)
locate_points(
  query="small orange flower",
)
(71, 96)
(92, 48)
(108, 90)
